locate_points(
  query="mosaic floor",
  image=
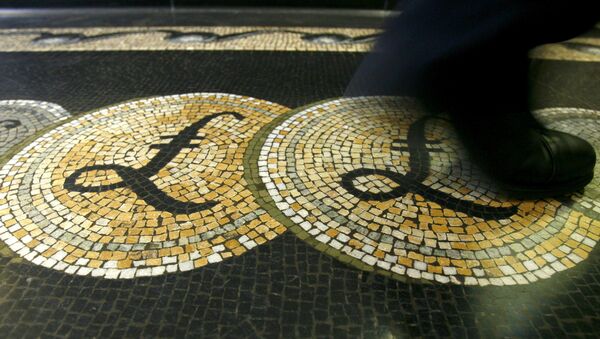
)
(185, 180)
(388, 188)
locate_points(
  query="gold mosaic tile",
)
(377, 183)
(139, 189)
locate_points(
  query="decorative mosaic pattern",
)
(22, 118)
(377, 184)
(578, 49)
(139, 189)
(188, 38)
(236, 38)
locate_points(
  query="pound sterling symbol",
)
(138, 179)
(412, 181)
(10, 123)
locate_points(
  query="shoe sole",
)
(524, 192)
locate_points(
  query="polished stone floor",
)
(196, 174)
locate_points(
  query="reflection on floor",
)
(234, 199)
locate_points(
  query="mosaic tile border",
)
(188, 38)
(264, 197)
(50, 253)
(236, 38)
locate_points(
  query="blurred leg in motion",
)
(468, 59)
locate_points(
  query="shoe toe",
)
(573, 158)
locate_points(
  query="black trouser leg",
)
(462, 54)
(468, 58)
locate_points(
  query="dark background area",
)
(357, 4)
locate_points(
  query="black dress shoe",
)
(536, 163)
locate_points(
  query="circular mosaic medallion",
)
(377, 184)
(20, 119)
(138, 189)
